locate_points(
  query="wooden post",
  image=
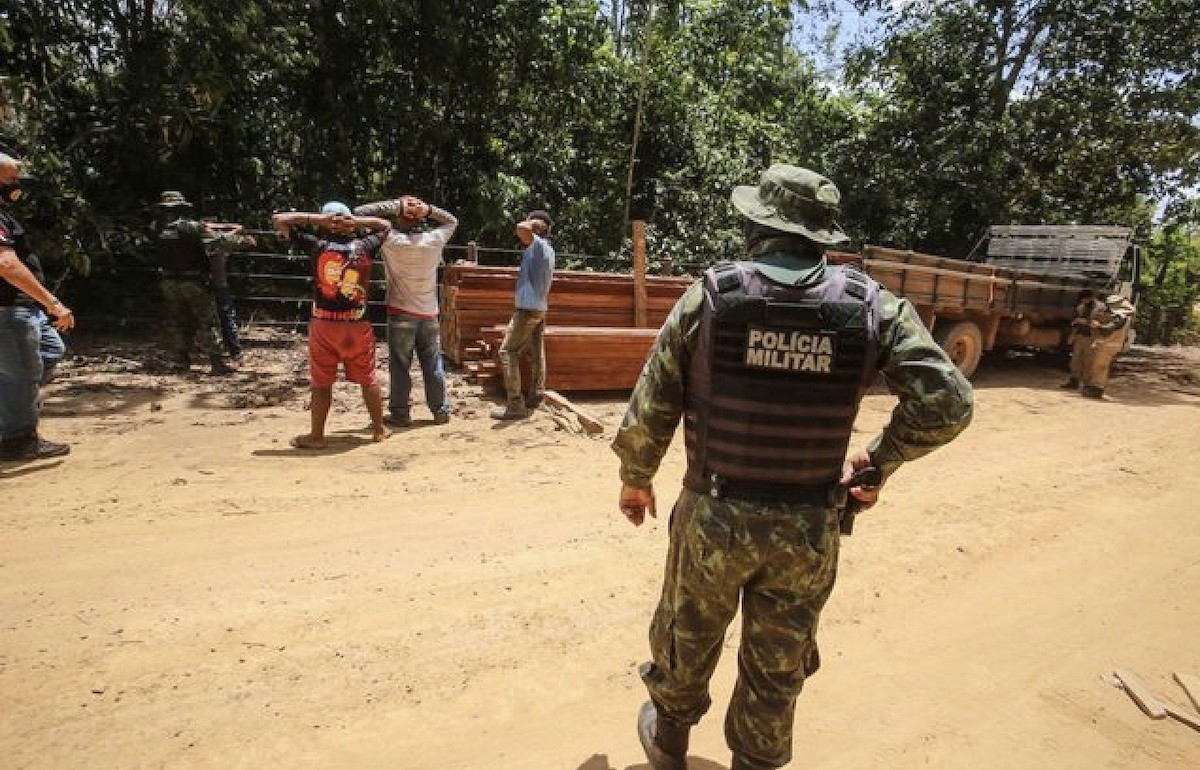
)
(473, 252)
(639, 273)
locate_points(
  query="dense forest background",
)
(935, 119)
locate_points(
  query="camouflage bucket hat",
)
(171, 199)
(793, 200)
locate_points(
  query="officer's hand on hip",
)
(636, 502)
(866, 496)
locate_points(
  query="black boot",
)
(31, 447)
(1091, 391)
(219, 367)
(1070, 384)
(664, 741)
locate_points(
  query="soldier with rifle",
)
(195, 288)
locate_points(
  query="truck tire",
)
(963, 342)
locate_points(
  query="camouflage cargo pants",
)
(781, 562)
(525, 334)
(1097, 356)
(1079, 352)
(191, 316)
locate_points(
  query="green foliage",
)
(955, 115)
(978, 113)
(1171, 286)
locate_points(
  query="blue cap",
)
(336, 207)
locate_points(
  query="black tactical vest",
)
(775, 383)
(181, 255)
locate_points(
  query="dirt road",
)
(187, 591)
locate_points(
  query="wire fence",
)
(271, 287)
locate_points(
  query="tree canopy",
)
(946, 117)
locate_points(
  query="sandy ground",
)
(187, 591)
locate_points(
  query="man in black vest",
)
(766, 361)
(21, 364)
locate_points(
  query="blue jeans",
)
(406, 334)
(51, 347)
(227, 317)
(20, 370)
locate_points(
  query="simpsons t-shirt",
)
(341, 274)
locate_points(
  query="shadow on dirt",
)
(1143, 376)
(334, 445)
(600, 762)
(12, 469)
(82, 398)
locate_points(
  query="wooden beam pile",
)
(591, 340)
(475, 297)
(578, 358)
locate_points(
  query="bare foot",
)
(309, 441)
(379, 433)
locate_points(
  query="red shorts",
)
(350, 343)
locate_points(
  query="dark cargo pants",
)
(780, 561)
(191, 317)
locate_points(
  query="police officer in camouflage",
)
(766, 360)
(192, 255)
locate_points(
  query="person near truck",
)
(23, 355)
(1100, 329)
(766, 361)
(195, 288)
(411, 254)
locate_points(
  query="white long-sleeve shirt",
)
(412, 260)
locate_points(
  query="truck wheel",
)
(963, 342)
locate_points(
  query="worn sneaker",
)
(397, 421)
(441, 418)
(511, 412)
(534, 401)
(34, 448)
(647, 727)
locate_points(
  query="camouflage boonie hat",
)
(172, 199)
(793, 200)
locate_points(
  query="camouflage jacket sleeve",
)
(936, 401)
(226, 243)
(657, 401)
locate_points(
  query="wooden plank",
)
(639, 273)
(589, 423)
(1191, 686)
(1180, 715)
(1141, 694)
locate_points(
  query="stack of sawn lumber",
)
(592, 342)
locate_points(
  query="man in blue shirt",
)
(528, 322)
